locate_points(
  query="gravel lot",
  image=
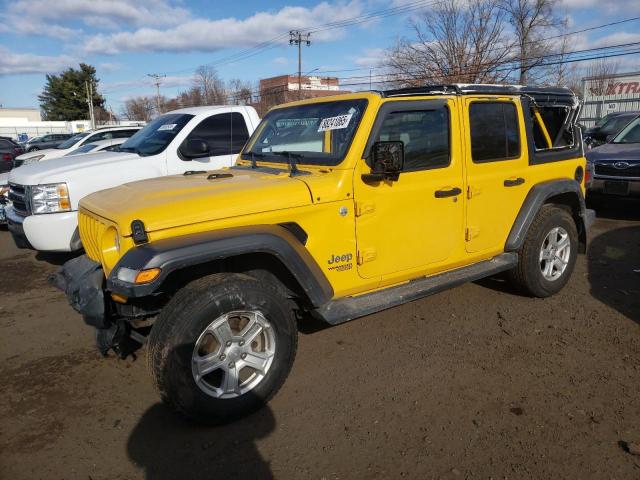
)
(475, 382)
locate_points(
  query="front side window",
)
(551, 127)
(157, 135)
(630, 133)
(424, 133)
(316, 133)
(494, 131)
(226, 133)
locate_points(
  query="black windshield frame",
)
(307, 157)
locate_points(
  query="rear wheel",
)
(222, 347)
(548, 254)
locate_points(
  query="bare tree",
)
(456, 41)
(599, 76)
(533, 22)
(212, 88)
(239, 92)
(139, 108)
(562, 73)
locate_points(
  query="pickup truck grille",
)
(618, 169)
(19, 197)
(91, 230)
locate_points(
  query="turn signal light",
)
(146, 276)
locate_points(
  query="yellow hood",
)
(178, 200)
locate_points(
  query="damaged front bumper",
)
(82, 281)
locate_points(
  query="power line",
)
(297, 38)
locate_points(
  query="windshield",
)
(615, 124)
(630, 133)
(72, 141)
(83, 149)
(317, 133)
(157, 135)
(603, 120)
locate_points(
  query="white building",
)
(617, 93)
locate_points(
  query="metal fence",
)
(31, 132)
(595, 108)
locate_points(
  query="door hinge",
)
(366, 255)
(470, 233)
(363, 207)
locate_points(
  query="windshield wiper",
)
(253, 156)
(129, 149)
(292, 161)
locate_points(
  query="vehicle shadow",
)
(57, 258)
(614, 208)
(613, 263)
(168, 447)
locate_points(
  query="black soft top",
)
(539, 94)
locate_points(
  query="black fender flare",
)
(536, 198)
(173, 254)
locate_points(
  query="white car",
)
(98, 146)
(73, 143)
(44, 196)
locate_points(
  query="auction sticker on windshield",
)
(335, 123)
(167, 126)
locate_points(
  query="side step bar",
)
(349, 308)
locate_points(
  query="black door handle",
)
(513, 182)
(448, 193)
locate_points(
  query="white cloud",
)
(210, 35)
(371, 57)
(25, 63)
(604, 7)
(97, 12)
(280, 61)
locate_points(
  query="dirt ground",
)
(475, 382)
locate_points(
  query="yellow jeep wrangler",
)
(337, 208)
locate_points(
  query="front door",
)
(417, 220)
(497, 171)
(225, 133)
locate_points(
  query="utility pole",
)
(157, 79)
(296, 37)
(89, 89)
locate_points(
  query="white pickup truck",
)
(44, 196)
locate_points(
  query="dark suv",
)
(8, 151)
(616, 165)
(51, 140)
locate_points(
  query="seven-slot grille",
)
(19, 197)
(91, 230)
(618, 169)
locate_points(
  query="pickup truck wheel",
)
(222, 347)
(548, 254)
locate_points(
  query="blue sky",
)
(125, 40)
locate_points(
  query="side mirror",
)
(194, 148)
(388, 161)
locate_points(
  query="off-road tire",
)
(188, 313)
(527, 275)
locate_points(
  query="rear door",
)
(497, 171)
(416, 222)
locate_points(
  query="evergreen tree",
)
(64, 96)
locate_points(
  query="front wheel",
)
(222, 347)
(548, 254)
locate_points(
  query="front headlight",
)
(34, 159)
(50, 198)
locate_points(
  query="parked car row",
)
(45, 194)
(9, 150)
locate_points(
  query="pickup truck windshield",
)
(72, 141)
(157, 135)
(317, 133)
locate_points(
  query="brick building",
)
(284, 88)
